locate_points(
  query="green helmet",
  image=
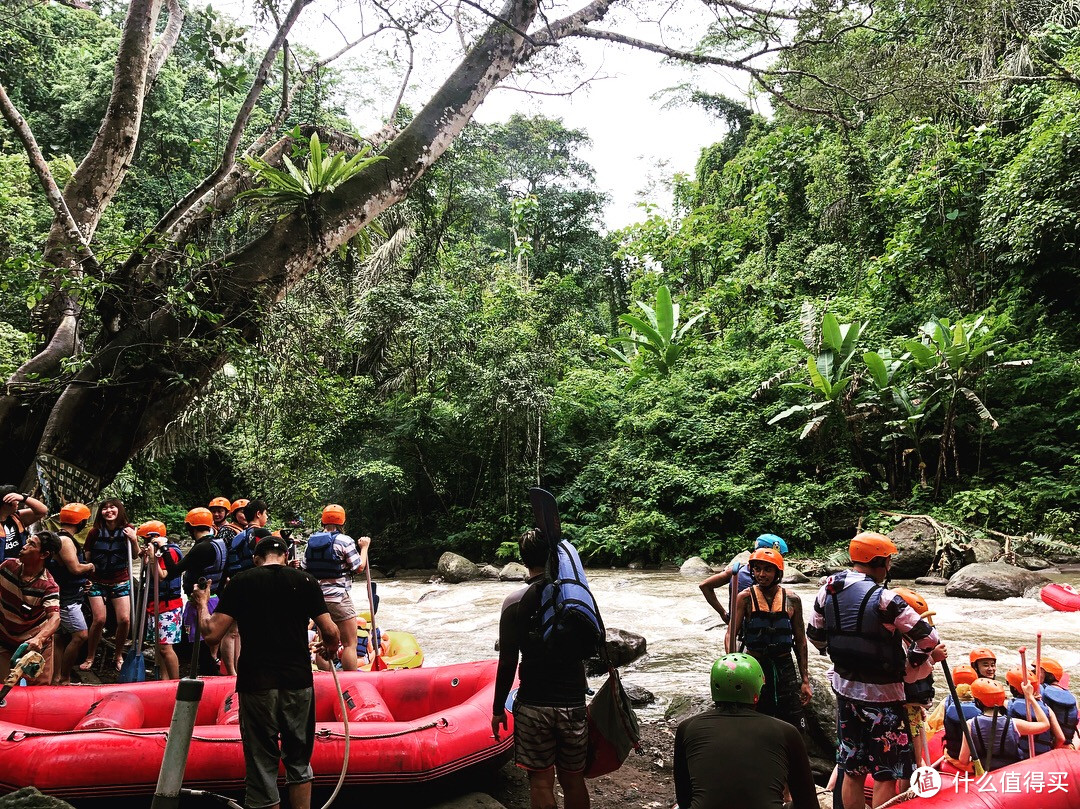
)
(736, 678)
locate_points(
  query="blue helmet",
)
(771, 541)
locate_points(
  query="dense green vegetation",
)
(886, 271)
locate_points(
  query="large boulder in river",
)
(489, 572)
(740, 559)
(514, 571)
(695, 568)
(993, 580)
(455, 569)
(982, 550)
(792, 575)
(916, 542)
(622, 647)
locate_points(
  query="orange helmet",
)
(333, 514)
(964, 675)
(982, 653)
(1015, 677)
(74, 513)
(990, 693)
(769, 556)
(237, 504)
(152, 528)
(913, 599)
(220, 502)
(200, 517)
(867, 546)
(1052, 667)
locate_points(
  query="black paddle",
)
(193, 671)
(975, 761)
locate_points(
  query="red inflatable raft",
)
(1061, 597)
(97, 741)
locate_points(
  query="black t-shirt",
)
(14, 539)
(546, 676)
(272, 605)
(740, 759)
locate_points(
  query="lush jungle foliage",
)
(886, 272)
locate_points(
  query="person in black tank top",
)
(769, 623)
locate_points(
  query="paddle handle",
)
(1038, 663)
(976, 762)
(733, 594)
(1027, 705)
(373, 638)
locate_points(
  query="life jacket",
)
(1063, 704)
(861, 648)
(954, 727)
(14, 538)
(766, 631)
(320, 560)
(108, 550)
(70, 584)
(169, 587)
(240, 554)
(226, 532)
(213, 572)
(920, 692)
(1006, 740)
(569, 618)
(1044, 742)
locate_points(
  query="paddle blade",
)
(378, 664)
(546, 514)
(133, 669)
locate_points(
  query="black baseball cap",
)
(271, 544)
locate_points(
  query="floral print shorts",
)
(874, 738)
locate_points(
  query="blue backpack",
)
(569, 619)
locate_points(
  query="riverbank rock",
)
(821, 716)
(684, 706)
(623, 648)
(993, 580)
(30, 798)
(489, 572)
(455, 569)
(981, 551)
(1034, 563)
(515, 571)
(695, 568)
(814, 568)
(792, 575)
(740, 559)
(931, 581)
(916, 542)
(639, 696)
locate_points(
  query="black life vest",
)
(240, 555)
(1006, 740)
(764, 631)
(226, 533)
(1044, 742)
(320, 560)
(108, 550)
(214, 571)
(954, 727)
(1063, 704)
(920, 692)
(861, 648)
(70, 584)
(169, 586)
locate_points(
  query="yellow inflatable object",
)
(399, 650)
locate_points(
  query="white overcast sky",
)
(639, 141)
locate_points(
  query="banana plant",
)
(949, 358)
(828, 365)
(657, 337)
(913, 407)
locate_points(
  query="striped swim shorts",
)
(545, 736)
